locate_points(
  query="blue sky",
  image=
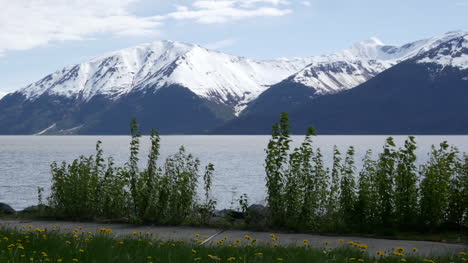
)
(39, 37)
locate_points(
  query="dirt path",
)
(187, 233)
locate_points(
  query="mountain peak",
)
(453, 52)
(372, 41)
(214, 75)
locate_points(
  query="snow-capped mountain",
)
(220, 77)
(223, 78)
(331, 76)
(340, 71)
(374, 49)
(452, 53)
(425, 93)
(350, 67)
(184, 88)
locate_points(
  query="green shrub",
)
(89, 188)
(391, 194)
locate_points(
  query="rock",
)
(229, 214)
(34, 209)
(6, 209)
(257, 208)
(257, 215)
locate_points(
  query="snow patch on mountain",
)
(228, 79)
(328, 77)
(364, 60)
(46, 129)
(210, 74)
(111, 75)
(374, 49)
(224, 77)
(452, 53)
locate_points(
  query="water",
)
(238, 160)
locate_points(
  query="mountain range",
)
(370, 88)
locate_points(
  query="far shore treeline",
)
(389, 194)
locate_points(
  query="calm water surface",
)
(238, 160)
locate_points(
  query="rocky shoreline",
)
(256, 212)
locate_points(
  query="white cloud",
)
(25, 24)
(306, 3)
(221, 43)
(212, 12)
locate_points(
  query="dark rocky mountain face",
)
(20, 116)
(426, 94)
(409, 98)
(172, 109)
(261, 113)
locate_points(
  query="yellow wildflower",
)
(380, 253)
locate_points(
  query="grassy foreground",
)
(40, 245)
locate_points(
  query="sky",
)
(38, 37)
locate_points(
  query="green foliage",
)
(208, 206)
(347, 198)
(388, 194)
(406, 193)
(384, 180)
(275, 168)
(89, 188)
(296, 181)
(102, 247)
(366, 203)
(435, 186)
(332, 200)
